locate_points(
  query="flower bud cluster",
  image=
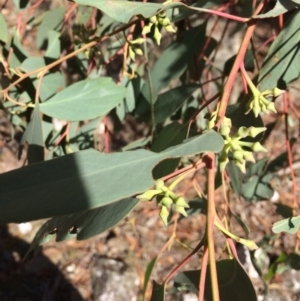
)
(237, 147)
(158, 21)
(166, 199)
(133, 49)
(259, 103)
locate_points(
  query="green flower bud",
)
(181, 210)
(153, 20)
(169, 28)
(164, 214)
(241, 166)
(256, 109)
(223, 164)
(243, 132)
(238, 156)
(165, 22)
(271, 107)
(148, 195)
(257, 147)
(159, 184)
(157, 35)
(180, 202)
(225, 130)
(146, 29)
(162, 14)
(166, 201)
(249, 156)
(276, 92)
(131, 53)
(253, 131)
(138, 51)
(137, 41)
(235, 146)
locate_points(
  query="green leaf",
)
(3, 30)
(281, 64)
(289, 225)
(281, 7)
(51, 83)
(234, 283)
(84, 137)
(18, 54)
(83, 14)
(86, 180)
(53, 49)
(128, 104)
(137, 144)
(173, 134)
(21, 4)
(148, 273)
(123, 11)
(33, 135)
(235, 177)
(169, 102)
(172, 63)
(52, 20)
(158, 292)
(84, 100)
(86, 224)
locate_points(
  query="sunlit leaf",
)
(86, 180)
(85, 100)
(289, 225)
(281, 64)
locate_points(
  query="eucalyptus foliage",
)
(154, 62)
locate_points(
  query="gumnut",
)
(181, 210)
(148, 195)
(164, 214)
(241, 166)
(180, 202)
(146, 29)
(249, 156)
(257, 147)
(159, 184)
(153, 19)
(166, 201)
(157, 35)
(239, 156)
(253, 131)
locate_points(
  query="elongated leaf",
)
(19, 53)
(281, 7)
(289, 225)
(235, 177)
(148, 273)
(34, 137)
(84, 225)
(53, 20)
(173, 134)
(169, 102)
(234, 283)
(3, 30)
(123, 11)
(158, 292)
(84, 100)
(86, 180)
(281, 65)
(174, 61)
(53, 49)
(51, 83)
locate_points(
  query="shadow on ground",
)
(35, 279)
